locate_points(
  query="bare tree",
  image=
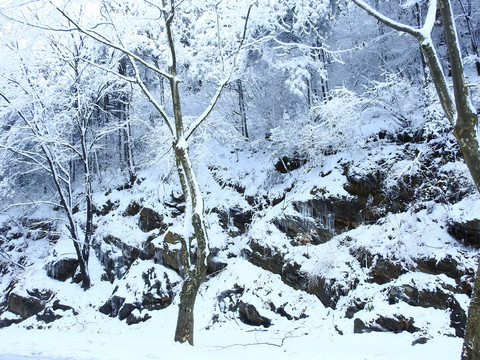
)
(194, 243)
(461, 114)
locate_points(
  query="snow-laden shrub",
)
(398, 98)
(329, 127)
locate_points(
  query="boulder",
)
(48, 316)
(132, 209)
(249, 315)
(171, 251)
(126, 310)
(25, 306)
(112, 306)
(135, 318)
(62, 269)
(150, 220)
(7, 322)
(467, 232)
(395, 324)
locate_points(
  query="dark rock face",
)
(154, 293)
(58, 306)
(249, 315)
(107, 208)
(438, 299)
(7, 322)
(467, 232)
(112, 306)
(171, 252)
(62, 269)
(117, 256)
(396, 324)
(150, 220)
(356, 306)
(286, 164)
(48, 316)
(328, 291)
(458, 318)
(25, 306)
(133, 319)
(447, 266)
(234, 217)
(381, 270)
(126, 310)
(132, 209)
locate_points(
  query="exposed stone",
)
(421, 340)
(25, 306)
(250, 315)
(302, 230)
(107, 208)
(381, 270)
(214, 265)
(150, 220)
(286, 164)
(281, 311)
(112, 306)
(234, 217)
(447, 266)
(354, 308)
(397, 324)
(437, 298)
(232, 295)
(57, 306)
(126, 310)
(43, 294)
(458, 317)
(135, 319)
(171, 251)
(48, 316)
(467, 232)
(132, 209)
(116, 256)
(328, 291)
(149, 289)
(62, 269)
(359, 326)
(7, 322)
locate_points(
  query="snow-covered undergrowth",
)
(326, 285)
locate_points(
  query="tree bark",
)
(194, 209)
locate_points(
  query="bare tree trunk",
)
(194, 209)
(243, 113)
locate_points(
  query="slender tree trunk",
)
(194, 246)
(241, 105)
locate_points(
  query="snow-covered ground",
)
(107, 339)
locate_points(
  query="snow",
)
(230, 343)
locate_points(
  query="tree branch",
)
(215, 98)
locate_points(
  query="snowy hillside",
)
(268, 179)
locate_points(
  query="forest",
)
(239, 179)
